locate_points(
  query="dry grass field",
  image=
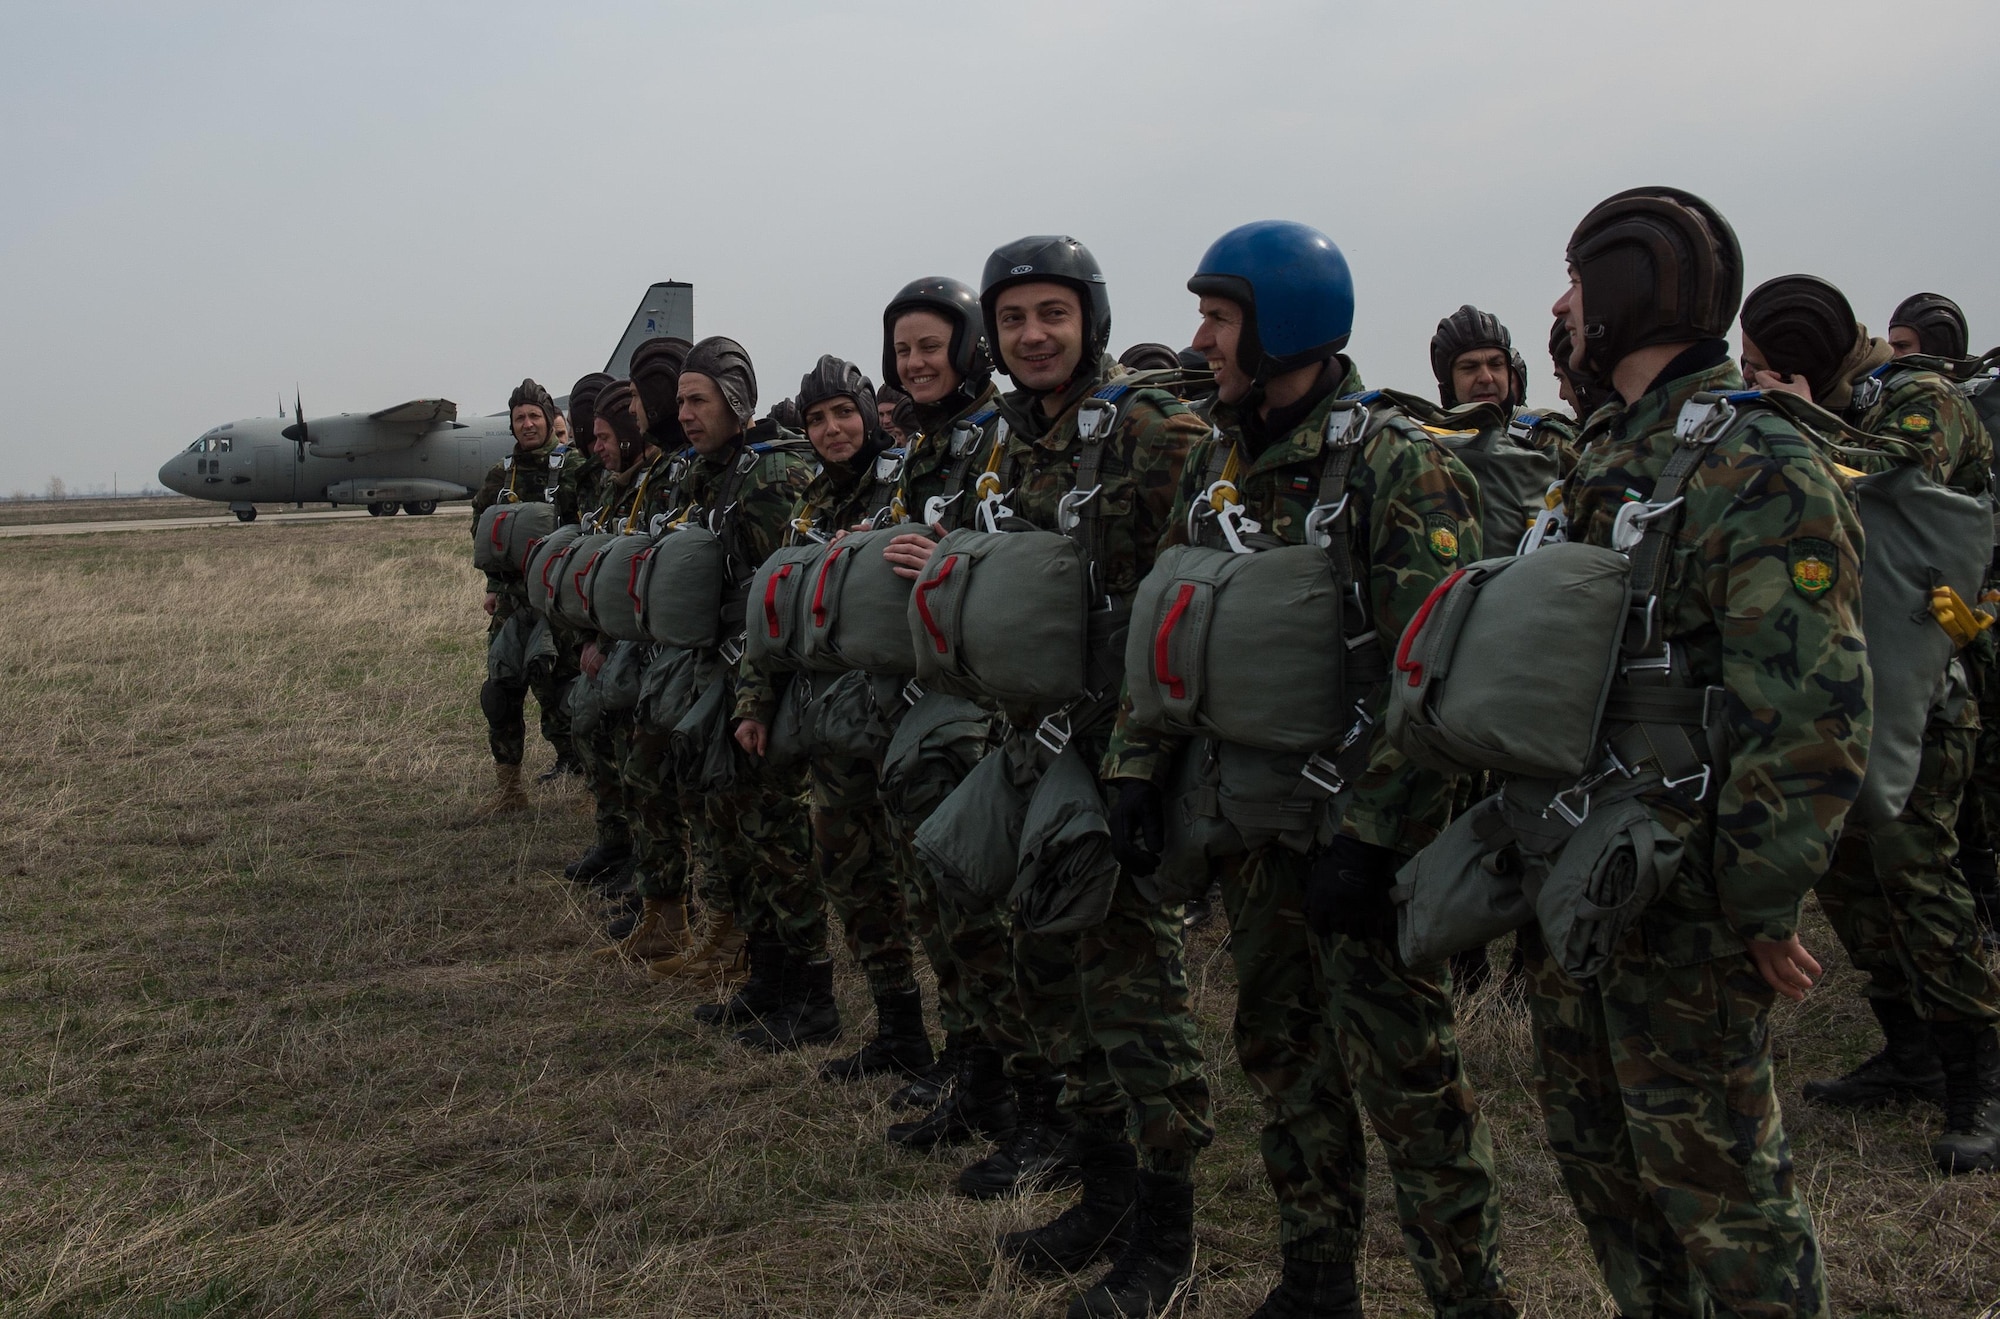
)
(14, 512)
(282, 1033)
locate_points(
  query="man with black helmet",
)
(1084, 457)
(1655, 1076)
(742, 485)
(1901, 910)
(1474, 360)
(1930, 324)
(522, 654)
(1329, 1021)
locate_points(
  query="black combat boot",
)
(759, 995)
(1906, 1068)
(900, 1046)
(1095, 1227)
(1313, 1289)
(806, 1013)
(1039, 1154)
(566, 764)
(930, 1086)
(1977, 864)
(622, 916)
(1970, 1053)
(978, 1104)
(1156, 1268)
(603, 858)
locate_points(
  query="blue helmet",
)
(1295, 290)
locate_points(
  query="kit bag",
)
(572, 580)
(544, 562)
(505, 534)
(856, 613)
(1242, 648)
(774, 622)
(621, 677)
(1461, 892)
(972, 840)
(613, 595)
(1003, 616)
(1067, 873)
(936, 744)
(1506, 666)
(678, 589)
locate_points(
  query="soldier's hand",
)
(492, 603)
(1347, 889)
(908, 554)
(752, 736)
(1786, 966)
(1138, 827)
(590, 659)
(1782, 384)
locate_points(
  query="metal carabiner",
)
(1068, 514)
(1319, 517)
(935, 506)
(1629, 527)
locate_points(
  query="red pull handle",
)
(924, 589)
(819, 587)
(632, 582)
(549, 563)
(771, 598)
(577, 582)
(498, 523)
(1403, 661)
(1175, 684)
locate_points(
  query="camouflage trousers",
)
(862, 866)
(670, 856)
(1108, 1007)
(1327, 1030)
(1658, 1101)
(1900, 907)
(505, 704)
(597, 756)
(757, 837)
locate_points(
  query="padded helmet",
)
(1468, 329)
(1939, 324)
(656, 374)
(1585, 389)
(1056, 259)
(1150, 357)
(724, 361)
(1294, 287)
(834, 377)
(1803, 326)
(959, 305)
(582, 406)
(534, 396)
(614, 408)
(1657, 265)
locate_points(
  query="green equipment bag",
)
(679, 589)
(572, 581)
(1506, 665)
(507, 651)
(701, 749)
(1244, 648)
(1003, 616)
(539, 653)
(613, 596)
(775, 623)
(852, 716)
(1196, 832)
(544, 562)
(1460, 892)
(935, 746)
(582, 703)
(667, 689)
(972, 839)
(1067, 872)
(621, 677)
(790, 741)
(505, 535)
(1919, 536)
(856, 614)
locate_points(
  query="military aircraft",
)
(411, 457)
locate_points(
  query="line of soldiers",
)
(761, 798)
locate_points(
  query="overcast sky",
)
(208, 203)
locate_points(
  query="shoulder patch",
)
(1441, 530)
(1915, 423)
(1815, 566)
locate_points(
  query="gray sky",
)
(207, 203)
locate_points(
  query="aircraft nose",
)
(174, 477)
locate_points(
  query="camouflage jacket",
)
(1554, 433)
(1415, 518)
(517, 478)
(937, 463)
(577, 487)
(1760, 594)
(1909, 403)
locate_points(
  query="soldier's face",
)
(531, 428)
(1570, 308)
(562, 429)
(1480, 376)
(922, 343)
(885, 417)
(835, 428)
(604, 445)
(1903, 341)
(1217, 338)
(705, 419)
(1041, 334)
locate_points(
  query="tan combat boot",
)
(507, 796)
(662, 932)
(721, 950)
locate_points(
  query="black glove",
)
(1138, 827)
(1347, 889)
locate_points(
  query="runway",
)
(177, 524)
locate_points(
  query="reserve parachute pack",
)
(570, 593)
(507, 533)
(831, 607)
(609, 589)
(544, 566)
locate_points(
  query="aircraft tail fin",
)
(667, 311)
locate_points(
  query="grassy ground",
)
(282, 1033)
(16, 512)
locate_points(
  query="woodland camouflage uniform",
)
(581, 488)
(1655, 1079)
(1329, 1028)
(524, 478)
(1893, 894)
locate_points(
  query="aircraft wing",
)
(422, 413)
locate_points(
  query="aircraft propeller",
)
(296, 432)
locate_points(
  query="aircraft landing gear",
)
(418, 508)
(382, 510)
(246, 515)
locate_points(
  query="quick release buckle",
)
(1093, 419)
(1573, 802)
(911, 693)
(935, 506)
(1069, 508)
(1054, 732)
(1701, 793)
(1703, 419)
(1346, 424)
(1323, 774)
(1636, 518)
(1321, 517)
(731, 650)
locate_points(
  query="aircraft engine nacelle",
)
(394, 490)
